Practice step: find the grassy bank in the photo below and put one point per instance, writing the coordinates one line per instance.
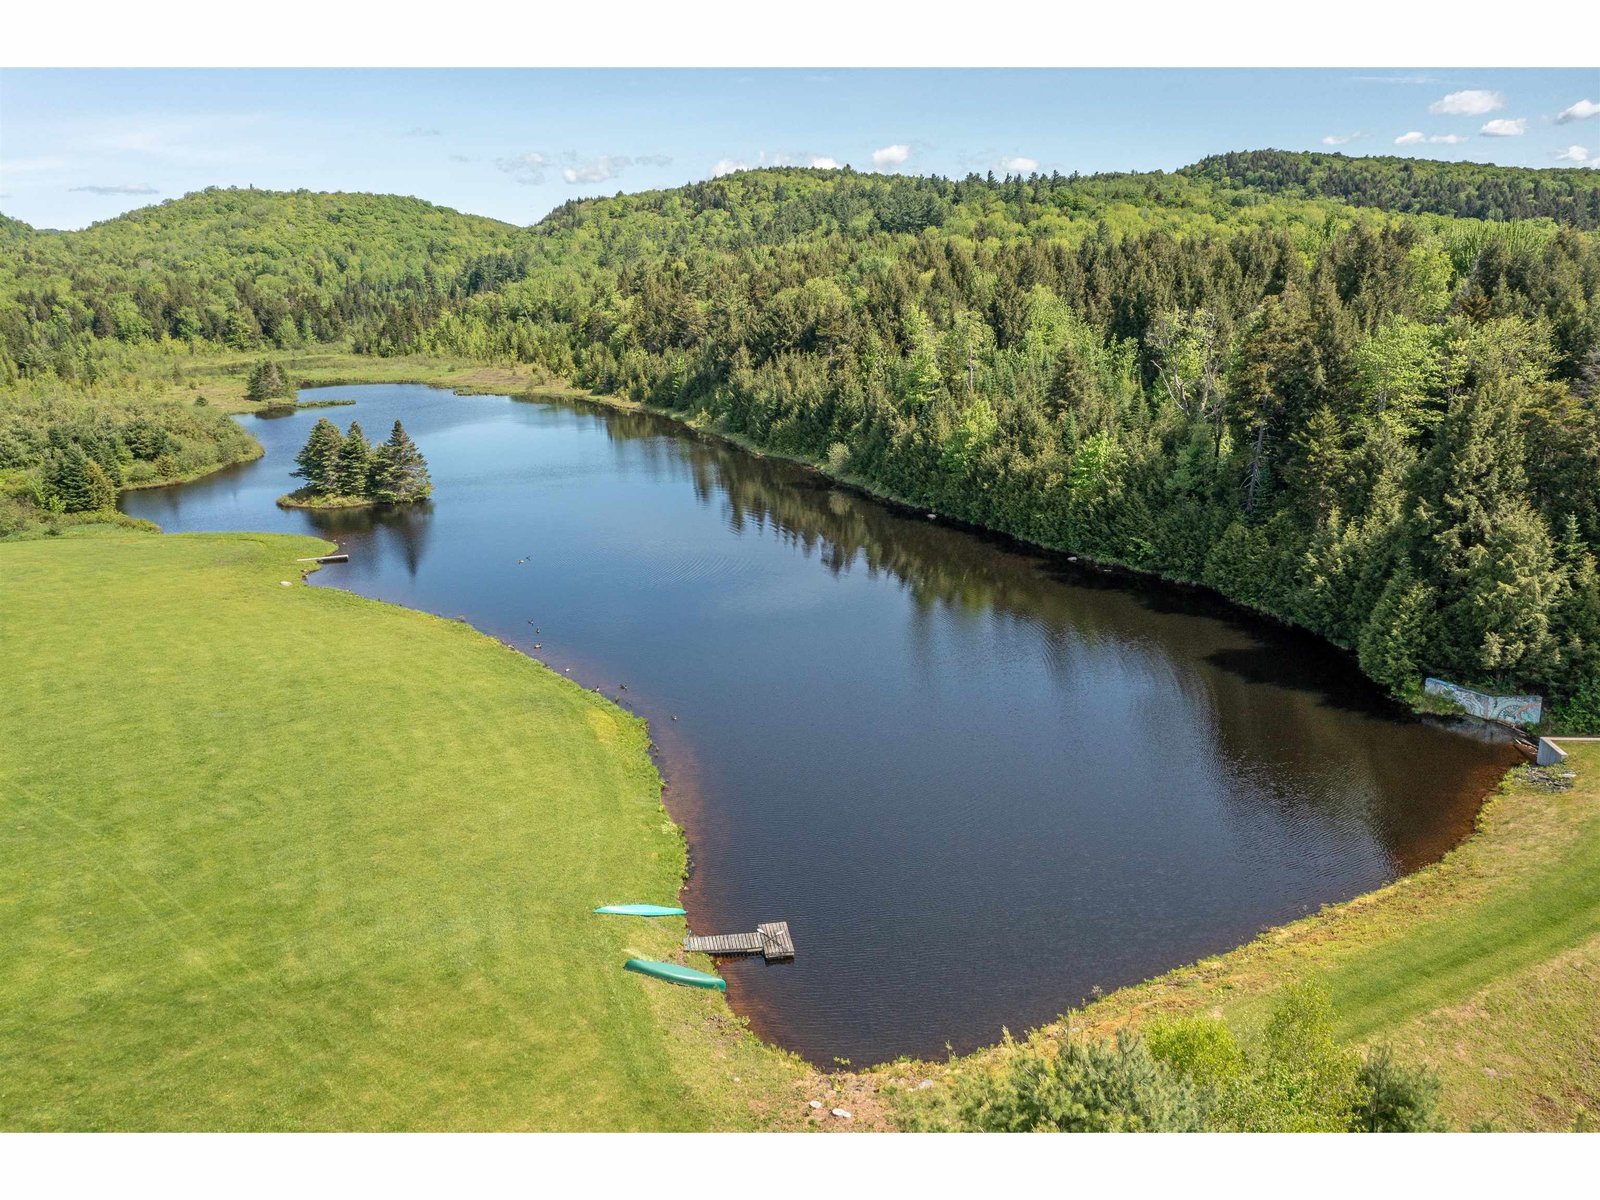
(221, 376)
(277, 857)
(1485, 966)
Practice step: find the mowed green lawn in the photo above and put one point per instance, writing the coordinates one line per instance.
(284, 858)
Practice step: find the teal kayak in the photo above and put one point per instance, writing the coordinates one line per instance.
(640, 910)
(673, 973)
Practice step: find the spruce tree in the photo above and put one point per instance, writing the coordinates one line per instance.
(266, 382)
(102, 490)
(401, 474)
(68, 481)
(318, 461)
(1394, 643)
(355, 463)
(1491, 553)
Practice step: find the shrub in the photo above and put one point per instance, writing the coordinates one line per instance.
(1201, 1048)
(1299, 1080)
(1396, 1099)
(1076, 1087)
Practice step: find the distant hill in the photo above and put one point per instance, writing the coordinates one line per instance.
(1360, 394)
(11, 229)
(235, 264)
(1413, 185)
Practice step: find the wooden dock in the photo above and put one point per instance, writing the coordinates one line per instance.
(771, 941)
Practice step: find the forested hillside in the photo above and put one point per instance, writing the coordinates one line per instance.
(1383, 426)
(1460, 189)
(232, 267)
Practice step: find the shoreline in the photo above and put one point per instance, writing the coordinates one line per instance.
(325, 503)
(1423, 707)
(858, 1084)
(145, 485)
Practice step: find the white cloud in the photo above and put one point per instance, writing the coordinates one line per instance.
(1416, 138)
(727, 166)
(596, 170)
(891, 156)
(1575, 154)
(532, 168)
(117, 189)
(1581, 111)
(1505, 127)
(1471, 103)
(1017, 164)
(783, 158)
(527, 168)
(1339, 139)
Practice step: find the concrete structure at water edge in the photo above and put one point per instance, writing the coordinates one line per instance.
(1513, 710)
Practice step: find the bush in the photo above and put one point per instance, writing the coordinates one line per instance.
(1076, 1087)
(1201, 1048)
(1299, 1080)
(1190, 1074)
(1397, 1099)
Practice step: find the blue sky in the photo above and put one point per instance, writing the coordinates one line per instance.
(81, 145)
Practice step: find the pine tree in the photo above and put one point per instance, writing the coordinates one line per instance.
(102, 491)
(68, 481)
(1395, 640)
(318, 461)
(1491, 553)
(1577, 620)
(400, 475)
(355, 463)
(266, 382)
(1320, 471)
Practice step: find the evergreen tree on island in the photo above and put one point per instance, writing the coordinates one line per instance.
(344, 468)
(400, 474)
(318, 461)
(355, 461)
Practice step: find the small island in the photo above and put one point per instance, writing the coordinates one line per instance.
(346, 471)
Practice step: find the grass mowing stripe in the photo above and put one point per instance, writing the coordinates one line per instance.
(286, 858)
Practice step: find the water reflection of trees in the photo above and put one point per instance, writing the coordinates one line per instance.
(1290, 720)
(403, 529)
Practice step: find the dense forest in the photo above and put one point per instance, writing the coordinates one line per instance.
(1322, 386)
(1462, 189)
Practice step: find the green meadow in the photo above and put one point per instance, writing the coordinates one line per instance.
(279, 857)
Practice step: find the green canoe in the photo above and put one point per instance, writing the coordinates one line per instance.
(640, 910)
(673, 973)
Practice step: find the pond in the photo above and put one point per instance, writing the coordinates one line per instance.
(978, 782)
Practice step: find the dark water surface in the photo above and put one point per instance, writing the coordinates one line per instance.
(976, 782)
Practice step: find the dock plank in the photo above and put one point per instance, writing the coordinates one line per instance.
(724, 943)
(775, 940)
(772, 941)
